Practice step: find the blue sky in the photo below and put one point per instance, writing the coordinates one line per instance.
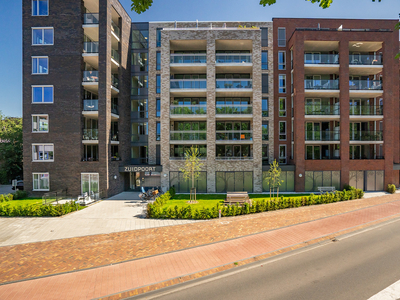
(179, 10)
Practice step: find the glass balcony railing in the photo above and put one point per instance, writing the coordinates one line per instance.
(188, 84)
(115, 29)
(233, 58)
(114, 136)
(322, 135)
(319, 84)
(244, 135)
(188, 135)
(91, 47)
(90, 76)
(325, 59)
(114, 109)
(90, 134)
(365, 156)
(226, 109)
(91, 105)
(365, 59)
(188, 59)
(234, 84)
(322, 110)
(114, 81)
(366, 135)
(365, 85)
(90, 19)
(188, 109)
(115, 55)
(366, 110)
(139, 138)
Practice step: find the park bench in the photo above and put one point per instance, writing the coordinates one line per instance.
(326, 189)
(237, 197)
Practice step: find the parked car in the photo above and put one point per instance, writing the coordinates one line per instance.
(20, 185)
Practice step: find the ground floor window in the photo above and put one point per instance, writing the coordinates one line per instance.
(316, 179)
(367, 180)
(234, 182)
(41, 182)
(90, 183)
(183, 186)
(286, 186)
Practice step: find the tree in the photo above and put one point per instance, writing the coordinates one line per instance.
(192, 167)
(10, 148)
(273, 178)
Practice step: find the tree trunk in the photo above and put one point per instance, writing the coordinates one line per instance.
(277, 193)
(269, 193)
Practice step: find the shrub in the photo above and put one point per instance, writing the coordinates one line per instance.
(347, 187)
(20, 194)
(391, 188)
(48, 210)
(172, 192)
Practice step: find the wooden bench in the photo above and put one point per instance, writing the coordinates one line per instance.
(326, 189)
(237, 197)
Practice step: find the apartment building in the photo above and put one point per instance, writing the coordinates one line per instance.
(110, 105)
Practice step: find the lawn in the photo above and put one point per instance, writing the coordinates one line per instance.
(23, 201)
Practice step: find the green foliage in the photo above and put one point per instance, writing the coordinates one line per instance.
(20, 195)
(49, 210)
(172, 192)
(348, 187)
(140, 6)
(6, 198)
(391, 188)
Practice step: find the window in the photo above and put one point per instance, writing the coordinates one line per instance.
(40, 123)
(158, 131)
(282, 154)
(140, 62)
(264, 60)
(265, 155)
(291, 58)
(159, 37)
(43, 36)
(40, 65)
(140, 38)
(282, 107)
(264, 83)
(282, 130)
(158, 60)
(264, 37)
(281, 60)
(90, 183)
(158, 105)
(158, 88)
(42, 94)
(40, 7)
(234, 182)
(265, 131)
(43, 152)
(282, 84)
(139, 85)
(281, 37)
(41, 181)
(139, 109)
(265, 107)
(181, 185)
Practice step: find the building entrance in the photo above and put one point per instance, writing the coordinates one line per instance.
(144, 179)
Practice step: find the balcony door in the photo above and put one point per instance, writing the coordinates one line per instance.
(355, 58)
(313, 58)
(313, 106)
(355, 107)
(355, 131)
(313, 132)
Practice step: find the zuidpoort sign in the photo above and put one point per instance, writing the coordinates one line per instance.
(128, 169)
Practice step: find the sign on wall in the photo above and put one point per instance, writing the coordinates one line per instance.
(138, 168)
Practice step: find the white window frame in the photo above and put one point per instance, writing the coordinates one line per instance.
(284, 113)
(37, 62)
(33, 180)
(33, 15)
(284, 61)
(283, 157)
(42, 86)
(43, 28)
(279, 45)
(279, 82)
(90, 182)
(42, 144)
(48, 123)
(282, 133)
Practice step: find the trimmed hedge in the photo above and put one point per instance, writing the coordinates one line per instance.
(156, 211)
(391, 188)
(6, 198)
(49, 210)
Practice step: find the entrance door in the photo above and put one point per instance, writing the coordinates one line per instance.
(135, 181)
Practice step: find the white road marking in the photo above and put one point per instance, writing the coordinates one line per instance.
(392, 292)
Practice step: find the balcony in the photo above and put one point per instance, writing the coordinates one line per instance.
(234, 158)
(139, 138)
(183, 137)
(90, 81)
(240, 111)
(188, 112)
(366, 156)
(322, 112)
(323, 136)
(321, 63)
(365, 88)
(367, 135)
(90, 19)
(114, 109)
(90, 136)
(245, 136)
(189, 87)
(323, 88)
(90, 105)
(91, 47)
(233, 62)
(190, 63)
(234, 88)
(365, 64)
(114, 84)
(116, 32)
(366, 112)
(114, 138)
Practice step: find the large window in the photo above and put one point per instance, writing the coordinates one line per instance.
(265, 154)
(158, 81)
(234, 182)
(282, 130)
(139, 155)
(90, 183)
(139, 85)
(178, 151)
(43, 152)
(41, 181)
(158, 60)
(140, 62)
(264, 37)
(282, 154)
(265, 83)
(40, 65)
(265, 107)
(265, 133)
(287, 184)
(43, 36)
(264, 60)
(281, 60)
(140, 38)
(158, 38)
(158, 131)
(282, 107)
(140, 132)
(91, 152)
(42, 94)
(40, 7)
(139, 109)
(40, 123)
(181, 185)
(158, 107)
(316, 179)
(282, 84)
(281, 37)
(234, 152)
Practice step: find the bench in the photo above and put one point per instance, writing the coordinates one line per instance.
(237, 197)
(326, 189)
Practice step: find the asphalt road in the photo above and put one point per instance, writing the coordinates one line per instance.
(354, 267)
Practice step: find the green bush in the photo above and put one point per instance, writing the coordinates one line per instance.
(20, 195)
(391, 188)
(348, 187)
(49, 210)
(172, 192)
(6, 198)
(156, 211)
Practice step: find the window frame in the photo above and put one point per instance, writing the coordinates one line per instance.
(42, 144)
(38, 15)
(282, 133)
(158, 61)
(37, 62)
(284, 61)
(264, 41)
(42, 28)
(283, 157)
(33, 180)
(43, 86)
(282, 113)
(90, 181)
(281, 89)
(280, 40)
(264, 65)
(158, 87)
(265, 75)
(158, 107)
(158, 133)
(263, 100)
(48, 123)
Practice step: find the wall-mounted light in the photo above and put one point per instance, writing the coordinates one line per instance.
(115, 177)
(165, 175)
(300, 175)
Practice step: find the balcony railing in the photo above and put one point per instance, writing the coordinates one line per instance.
(91, 47)
(91, 105)
(265, 136)
(90, 76)
(90, 158)
(319, 84)
(188, 84)
(326, 59)
(188, 109)
(366, 110)
(365, 85)
(244, 135)
(188, 135)
(233, 58)
(114, 109)
(90, 19)
(233, 84)
(90, 134)
(188, 58)
(115, 55)
(366, 135)
(370, 156)
(114, 81)
(139, 138)
(234, 157)
(114, 136)
(227, 109)
(115, 29)
(322, 135)
(322, 110)
(365, 59)
(324, 157)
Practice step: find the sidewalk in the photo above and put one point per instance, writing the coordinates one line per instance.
(213, 246)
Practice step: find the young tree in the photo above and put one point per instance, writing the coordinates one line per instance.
(274, 178)
(192, 167)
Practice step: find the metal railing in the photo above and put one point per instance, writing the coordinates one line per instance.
(90, 76)
(366, 110)
(235, 109)
(114, 136)
(115, 55)
(324, 157)
(188, 135)
(114, 109)
(234, 157)
(188, 58)
(90, 158)
(322, 135)
(365, 85)
(365, 59)
(322, 59)
(115, 29)
(55, 196)
(243, 135)
(90, 134)
(114, 81)
(188, 109)
(188, 84)
(91, 47)
(371, 156)
(319, 84)
(230, 58)
(90, 19)
(139, 138)
(234, 84)
(91, 105)
(322, 109)
(366, 135)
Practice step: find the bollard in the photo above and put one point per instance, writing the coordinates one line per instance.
(219, 214)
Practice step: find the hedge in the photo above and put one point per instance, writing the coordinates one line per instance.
(156, 211)
(49, 210)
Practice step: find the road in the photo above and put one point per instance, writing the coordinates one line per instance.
(357, 266)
